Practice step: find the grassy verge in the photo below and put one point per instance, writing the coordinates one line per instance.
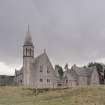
(73, 96)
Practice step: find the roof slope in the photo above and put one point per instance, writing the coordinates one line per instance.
(83, 71)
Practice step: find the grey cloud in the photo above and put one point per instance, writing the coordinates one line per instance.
(71, 30)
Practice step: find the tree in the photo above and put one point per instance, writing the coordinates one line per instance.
(60, 70)
(100, 71)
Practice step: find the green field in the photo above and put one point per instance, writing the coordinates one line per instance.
(71, 96)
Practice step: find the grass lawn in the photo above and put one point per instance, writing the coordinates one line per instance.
(72, 96)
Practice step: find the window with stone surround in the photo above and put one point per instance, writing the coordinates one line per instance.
(41, 80)
(30, 52)
(48, 71)
(26, 51)
(66, 81)
(41, 68)
(48, 80)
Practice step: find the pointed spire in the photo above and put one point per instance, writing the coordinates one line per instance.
(28, 28)
(28, 38)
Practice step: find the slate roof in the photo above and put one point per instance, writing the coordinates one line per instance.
(36, 59)
(75, 72)
(40, 57)
(83, 71)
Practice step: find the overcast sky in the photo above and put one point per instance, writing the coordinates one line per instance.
(72, 31)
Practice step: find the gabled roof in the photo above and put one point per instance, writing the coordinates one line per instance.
(83, 71)
(45, 57)
(40, 57)
(71, 74)
(36, 59)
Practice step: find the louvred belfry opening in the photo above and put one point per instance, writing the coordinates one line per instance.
(28, 47)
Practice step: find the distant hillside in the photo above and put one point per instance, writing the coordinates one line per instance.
(72, 96)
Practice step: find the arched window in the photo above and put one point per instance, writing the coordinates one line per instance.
(48, 71)
(26, 51)
(41, 68)
(48, 81)
(66, 81)
(30, 51)
(41, 80)
(21, 81)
